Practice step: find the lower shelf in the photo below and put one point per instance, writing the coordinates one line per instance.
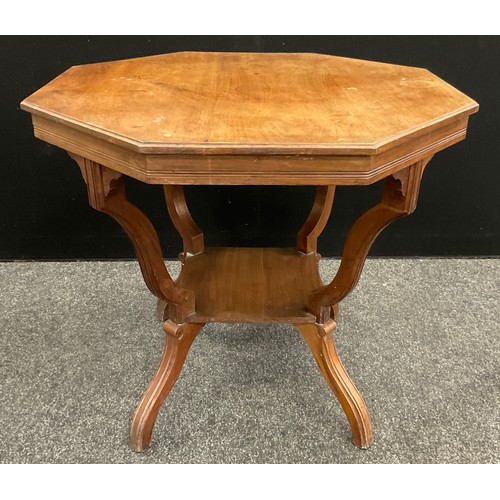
(257, 285)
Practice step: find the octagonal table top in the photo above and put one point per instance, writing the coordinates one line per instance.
(204, 103)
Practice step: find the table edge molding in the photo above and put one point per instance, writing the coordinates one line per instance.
(145, 147)
(190, 169)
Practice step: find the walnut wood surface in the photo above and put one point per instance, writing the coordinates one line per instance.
(250, 118)
(321, 342)
(106, 191)
(219, 102)
(398, 200)
(261, 285)
(307, 237)
(192, 237)
(178, 341)
(257, 119)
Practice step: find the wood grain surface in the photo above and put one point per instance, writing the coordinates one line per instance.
(236, 102)
(320, 340)
(399, 199)
(250, 118)
(258, 285)
(247, 118)
(177, 343)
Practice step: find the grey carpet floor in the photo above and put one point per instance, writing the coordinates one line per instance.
(420, 338)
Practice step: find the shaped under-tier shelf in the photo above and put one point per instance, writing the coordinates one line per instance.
(238, 285)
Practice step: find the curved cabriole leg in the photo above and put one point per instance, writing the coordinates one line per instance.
(192, 237)
(320, 341)
(178, 341)
(106, 191)
(398, 200)
(307, 237)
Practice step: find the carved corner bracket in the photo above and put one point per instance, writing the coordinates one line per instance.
(106, 192)
(399, 199)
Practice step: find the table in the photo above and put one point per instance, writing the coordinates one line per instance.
(250, 119)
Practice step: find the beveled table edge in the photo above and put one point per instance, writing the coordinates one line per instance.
(367, 149)
(233, 169)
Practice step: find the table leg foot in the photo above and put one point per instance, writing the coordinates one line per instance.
(178, 341)
(319, 337)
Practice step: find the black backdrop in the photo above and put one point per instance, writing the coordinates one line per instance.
(43, 207)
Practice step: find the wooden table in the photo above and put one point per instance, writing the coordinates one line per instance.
(256, 119)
